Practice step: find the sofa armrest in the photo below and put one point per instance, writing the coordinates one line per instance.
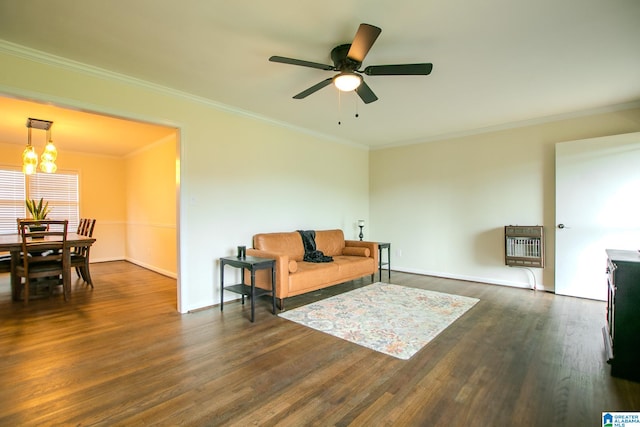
(263, 278)
(372, 246)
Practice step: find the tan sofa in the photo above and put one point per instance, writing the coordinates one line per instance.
(352, 259)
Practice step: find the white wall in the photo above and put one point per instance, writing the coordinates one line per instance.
(238, 175)
(444, 204)
(250, 177)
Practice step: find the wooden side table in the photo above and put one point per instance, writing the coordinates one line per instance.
(252, 264)
(381, 246)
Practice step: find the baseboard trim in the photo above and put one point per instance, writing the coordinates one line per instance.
(158, 270)
(164, 272)
(539, 287)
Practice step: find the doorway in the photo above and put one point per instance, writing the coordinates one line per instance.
(597, 208)
(118, 160)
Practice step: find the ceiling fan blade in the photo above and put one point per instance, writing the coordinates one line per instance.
(300, 62)
(365, 93)
(314, 88)
(399, 70)
(362, 42)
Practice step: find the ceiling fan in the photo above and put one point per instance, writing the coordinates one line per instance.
(347, 59)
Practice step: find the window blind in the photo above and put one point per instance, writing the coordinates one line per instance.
(61, 191)
(12, 196)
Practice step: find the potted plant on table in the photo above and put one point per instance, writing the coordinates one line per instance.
(39, 211)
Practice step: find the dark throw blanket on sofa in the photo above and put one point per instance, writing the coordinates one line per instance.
(310, 252)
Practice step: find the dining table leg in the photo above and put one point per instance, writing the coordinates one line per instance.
(66, 273)
(15, 279)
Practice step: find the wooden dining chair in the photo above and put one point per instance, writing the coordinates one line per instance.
(89, 225)
(5, 257)
(5, 263)
(80, 255)
(82, 224)
(42, 258)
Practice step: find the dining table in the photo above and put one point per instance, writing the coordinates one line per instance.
(12, 243)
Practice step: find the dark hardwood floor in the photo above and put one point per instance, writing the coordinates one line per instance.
(120, 354)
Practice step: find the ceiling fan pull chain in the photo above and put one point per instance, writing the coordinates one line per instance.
(339, 107)
(356, 101)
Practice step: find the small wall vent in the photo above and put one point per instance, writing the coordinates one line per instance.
(524, 246)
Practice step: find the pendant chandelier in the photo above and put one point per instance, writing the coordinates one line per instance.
(49, 155)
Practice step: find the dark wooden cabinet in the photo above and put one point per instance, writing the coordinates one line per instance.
(622, 330)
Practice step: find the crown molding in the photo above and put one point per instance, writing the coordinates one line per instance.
(30, 54)
(517, 124)
(38, 56)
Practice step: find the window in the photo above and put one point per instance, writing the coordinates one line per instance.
(12, 195)
(59, 189)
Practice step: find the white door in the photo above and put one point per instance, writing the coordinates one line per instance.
(597, 208)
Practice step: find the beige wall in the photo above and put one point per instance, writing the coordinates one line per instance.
(151, 207)
(444, 204)
(237, 175)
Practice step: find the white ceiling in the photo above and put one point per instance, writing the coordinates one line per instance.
(496, 62)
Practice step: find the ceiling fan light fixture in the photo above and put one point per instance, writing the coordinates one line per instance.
(346, 81)
(347, 59)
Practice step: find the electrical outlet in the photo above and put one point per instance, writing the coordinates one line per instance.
(399, 252)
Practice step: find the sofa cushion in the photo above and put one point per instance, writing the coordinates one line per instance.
(284, 243)
(351, 266)
(330, 242)
(310, 275)
(313, 276)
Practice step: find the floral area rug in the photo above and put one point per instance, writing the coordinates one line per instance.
(392, 319)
